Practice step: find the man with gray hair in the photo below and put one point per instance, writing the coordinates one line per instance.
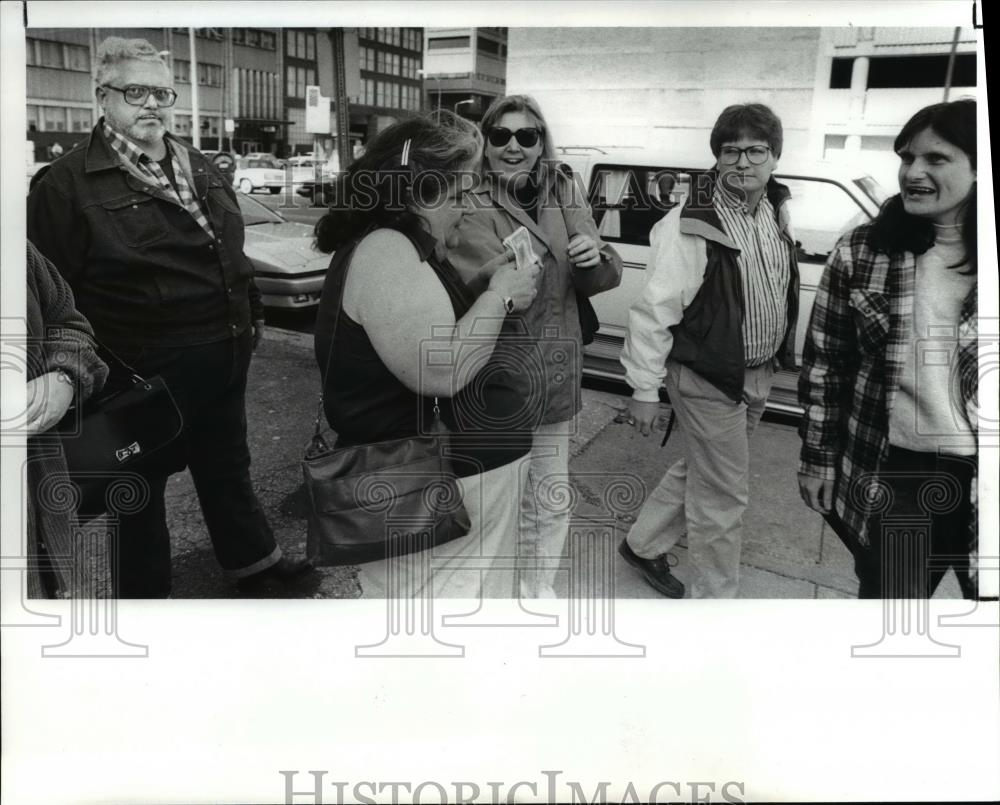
(150, 238)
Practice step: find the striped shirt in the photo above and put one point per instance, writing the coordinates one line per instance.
(150, 172)
(764, 272)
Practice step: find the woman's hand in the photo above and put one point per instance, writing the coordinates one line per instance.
(642, 415)
(817, 493)
(583, 251)
(521, 285)
(49, 397)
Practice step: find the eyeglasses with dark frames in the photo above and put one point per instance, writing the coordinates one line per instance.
(136, 94)
(498, 136)
(756, 154)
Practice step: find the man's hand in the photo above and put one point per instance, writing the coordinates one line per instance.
(642, 415)
(258, 332)
(49, 397)
(816, 492)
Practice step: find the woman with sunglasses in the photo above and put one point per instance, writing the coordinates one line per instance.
(523, 185)
(400, 338)
(890, 371)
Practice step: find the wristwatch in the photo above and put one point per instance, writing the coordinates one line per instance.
(508, 302)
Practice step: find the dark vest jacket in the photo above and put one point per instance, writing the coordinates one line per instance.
(709, 339)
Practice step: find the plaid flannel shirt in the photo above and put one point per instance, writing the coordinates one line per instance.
(853, 357)
(150, 172)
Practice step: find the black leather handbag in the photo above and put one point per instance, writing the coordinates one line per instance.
(121, 429)
(374, 501)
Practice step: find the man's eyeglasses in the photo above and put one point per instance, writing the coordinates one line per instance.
(756, 154)
(498, 137)
(136, 94)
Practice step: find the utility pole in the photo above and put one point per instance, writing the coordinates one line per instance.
(343, 116)
(951, 64)
(195, 117)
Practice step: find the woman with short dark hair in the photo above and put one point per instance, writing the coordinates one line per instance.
(890, 371)
(413, 339)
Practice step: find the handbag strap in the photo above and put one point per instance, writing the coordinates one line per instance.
(318, 439)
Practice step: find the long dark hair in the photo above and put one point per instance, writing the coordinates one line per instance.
(405, 165)
(895, 230)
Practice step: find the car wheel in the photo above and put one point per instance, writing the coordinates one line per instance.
(274, 190)
(246, 186)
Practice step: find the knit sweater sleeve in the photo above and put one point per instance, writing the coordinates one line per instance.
(67, 342)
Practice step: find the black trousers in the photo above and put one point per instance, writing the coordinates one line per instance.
(208, 382)
(922, 529)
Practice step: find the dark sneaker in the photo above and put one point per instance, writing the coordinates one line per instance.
(655, 571)
(283, 572)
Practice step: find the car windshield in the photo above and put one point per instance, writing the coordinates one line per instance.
(256, 213)
(872, 189)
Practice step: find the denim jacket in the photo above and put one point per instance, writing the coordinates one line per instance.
(141, 268)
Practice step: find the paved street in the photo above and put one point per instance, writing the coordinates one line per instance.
(788, 553)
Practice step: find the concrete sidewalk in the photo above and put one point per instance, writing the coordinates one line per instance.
(788, 551)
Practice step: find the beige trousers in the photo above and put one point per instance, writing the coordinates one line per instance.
(705, 493)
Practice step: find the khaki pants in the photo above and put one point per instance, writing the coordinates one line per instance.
(705, 493)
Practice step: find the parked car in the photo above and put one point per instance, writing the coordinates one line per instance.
(259, 173)
(827, 200)
(288, 271)
(305, 169)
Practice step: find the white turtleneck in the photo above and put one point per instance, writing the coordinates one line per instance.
(927, 413)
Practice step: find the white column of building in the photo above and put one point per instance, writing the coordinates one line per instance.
(195, 118)
(856, 113)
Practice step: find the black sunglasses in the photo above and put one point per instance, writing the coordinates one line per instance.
(498, 137)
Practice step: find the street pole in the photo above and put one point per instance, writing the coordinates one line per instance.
(343, 116)
(195, 118)
(951, 64)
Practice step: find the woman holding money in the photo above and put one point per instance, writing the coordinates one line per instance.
(530, 205)
(401, 339)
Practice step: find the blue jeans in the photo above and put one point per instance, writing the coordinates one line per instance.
(208, 383)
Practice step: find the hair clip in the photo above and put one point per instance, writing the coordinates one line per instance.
(406, 154)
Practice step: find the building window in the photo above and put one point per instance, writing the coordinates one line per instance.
(442, 42)
(268, 41)
(367, 56)
(182, 124)
(488, 46)
(311, 47)
(53, 118)
(209, 75)
(896, 72)
(290, 81)
(80, 119)
(182, 71)
(394, 64)
(48, 54)
(239, 36)
(77, 58)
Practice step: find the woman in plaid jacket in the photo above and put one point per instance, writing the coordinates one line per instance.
(889, 379)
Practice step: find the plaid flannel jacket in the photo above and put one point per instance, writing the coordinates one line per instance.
(853, 357)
